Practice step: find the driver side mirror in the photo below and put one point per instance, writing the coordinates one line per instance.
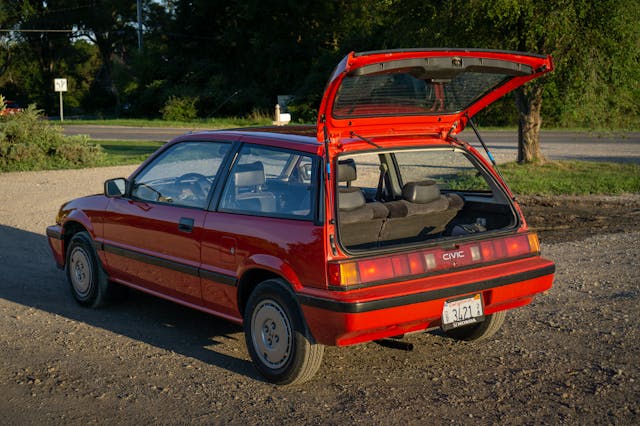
(115, 187)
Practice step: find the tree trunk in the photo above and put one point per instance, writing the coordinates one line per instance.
(529, 104)
(105, 46)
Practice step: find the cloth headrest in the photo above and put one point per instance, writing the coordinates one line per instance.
(421, 192)
(250, 174)
(350, 199)
(347, 170)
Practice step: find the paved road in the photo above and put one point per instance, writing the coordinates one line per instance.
(125, 133)
(556, 145)
(559, 145)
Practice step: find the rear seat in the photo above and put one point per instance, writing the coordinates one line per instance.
(248, 180)
(422, 211)
(360, 222)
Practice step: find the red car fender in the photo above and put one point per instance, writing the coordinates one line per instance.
(86, 213)
(81, 218)
(272, 264)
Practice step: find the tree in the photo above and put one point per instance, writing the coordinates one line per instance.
(33, 56)
(527, 26)
(109, 25)
(594, 46)
(237, 56)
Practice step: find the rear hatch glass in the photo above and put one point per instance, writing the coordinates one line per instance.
(407, 94)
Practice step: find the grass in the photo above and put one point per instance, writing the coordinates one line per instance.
(127, 152)
(204, 123)
(572, 178)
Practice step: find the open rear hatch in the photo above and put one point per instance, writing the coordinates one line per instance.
(419, 91)
(419, 185)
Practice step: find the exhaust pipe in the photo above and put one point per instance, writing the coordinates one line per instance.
(395, 344)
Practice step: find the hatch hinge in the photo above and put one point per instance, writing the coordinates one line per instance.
(452, 129)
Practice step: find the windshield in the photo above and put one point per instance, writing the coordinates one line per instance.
(406, 94)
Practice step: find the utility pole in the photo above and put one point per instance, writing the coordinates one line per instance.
(140, 26)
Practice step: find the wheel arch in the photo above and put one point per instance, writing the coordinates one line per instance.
(250, 280)
(69, 229)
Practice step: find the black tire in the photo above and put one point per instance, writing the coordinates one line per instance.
(89, 283)
(480, 331)
(276, 337)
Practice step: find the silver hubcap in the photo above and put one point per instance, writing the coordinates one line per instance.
(271, 333)
(80, 271)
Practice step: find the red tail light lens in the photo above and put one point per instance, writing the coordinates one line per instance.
(386, 268)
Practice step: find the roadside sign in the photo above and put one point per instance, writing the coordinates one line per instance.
(60, 84)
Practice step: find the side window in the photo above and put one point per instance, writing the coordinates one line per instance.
(367, 171)
(182, 175)
(270, 182)
(449, 168)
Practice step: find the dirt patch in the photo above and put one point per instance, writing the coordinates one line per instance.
(571, 357)
(570, 218)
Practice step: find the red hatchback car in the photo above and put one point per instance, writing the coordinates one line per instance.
(375, 223)
(10, 108)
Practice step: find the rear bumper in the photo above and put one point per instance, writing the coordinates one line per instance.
(346, 318)
(56, 242)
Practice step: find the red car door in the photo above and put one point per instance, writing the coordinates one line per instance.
(155, 246)
(264, 220)
(152, 235)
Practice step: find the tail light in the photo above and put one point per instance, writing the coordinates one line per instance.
(385, 268)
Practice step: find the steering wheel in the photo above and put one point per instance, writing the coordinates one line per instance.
(192, 179)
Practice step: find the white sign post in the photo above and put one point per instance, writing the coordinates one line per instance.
(60, 85)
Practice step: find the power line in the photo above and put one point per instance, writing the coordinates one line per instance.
(35, 31)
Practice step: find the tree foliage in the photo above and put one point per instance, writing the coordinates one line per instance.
(594, 46)
(236, 57)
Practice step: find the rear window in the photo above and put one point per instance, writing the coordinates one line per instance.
(414, 196)
(406, 94)
(271, 182)
(451, 169)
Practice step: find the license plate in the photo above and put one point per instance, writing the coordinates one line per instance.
(460, 312)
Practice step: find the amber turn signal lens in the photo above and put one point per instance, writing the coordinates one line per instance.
(534, 244)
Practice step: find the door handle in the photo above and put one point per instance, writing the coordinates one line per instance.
(185, 224)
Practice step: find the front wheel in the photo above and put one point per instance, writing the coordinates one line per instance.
(276, 338)
(89, 283)
(480, 331)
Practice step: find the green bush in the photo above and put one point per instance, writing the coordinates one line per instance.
(29, 142)
(304, 110)
(179, 109)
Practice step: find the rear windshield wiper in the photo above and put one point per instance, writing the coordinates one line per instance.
(365, 139)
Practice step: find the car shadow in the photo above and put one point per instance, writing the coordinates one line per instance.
(30, 278)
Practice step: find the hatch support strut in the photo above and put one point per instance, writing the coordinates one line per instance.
(327, 177)
(493, 160)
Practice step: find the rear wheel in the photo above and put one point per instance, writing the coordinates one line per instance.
(276, 338)
(89, 283)
(480, 331)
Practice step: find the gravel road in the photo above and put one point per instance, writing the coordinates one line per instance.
(570, 357)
